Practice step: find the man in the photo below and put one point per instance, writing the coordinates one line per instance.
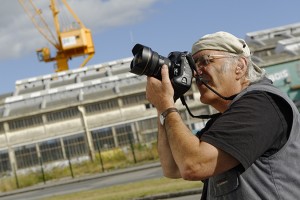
(252, 149)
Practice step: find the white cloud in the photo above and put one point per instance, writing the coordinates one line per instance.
(18, 36)
(104, 14)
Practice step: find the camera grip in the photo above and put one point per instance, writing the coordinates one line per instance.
(182, 80)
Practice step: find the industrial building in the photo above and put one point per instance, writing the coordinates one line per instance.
(77, 112)
(277, 50)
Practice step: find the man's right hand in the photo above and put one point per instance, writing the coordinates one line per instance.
(160, 93)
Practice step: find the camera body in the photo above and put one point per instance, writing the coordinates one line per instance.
(149, 63)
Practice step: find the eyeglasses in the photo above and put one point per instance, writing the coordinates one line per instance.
(205, 60)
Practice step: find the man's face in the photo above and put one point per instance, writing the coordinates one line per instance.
(218, 71)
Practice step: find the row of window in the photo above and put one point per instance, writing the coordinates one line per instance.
(134, 99)
(74, 146)
(102, 106)
(73, 112)
(62, 114)
(25, 122)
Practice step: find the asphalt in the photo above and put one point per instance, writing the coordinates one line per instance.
(176, 195)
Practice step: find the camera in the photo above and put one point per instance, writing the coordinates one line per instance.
(149, 63)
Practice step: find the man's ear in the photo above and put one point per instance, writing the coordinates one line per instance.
(241, 68)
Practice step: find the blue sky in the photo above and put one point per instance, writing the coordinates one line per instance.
(116, 25)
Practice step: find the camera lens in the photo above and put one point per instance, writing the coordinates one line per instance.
(141, 59)
(147, 62)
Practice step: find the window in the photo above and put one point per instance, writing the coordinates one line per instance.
(148, 124)
(134, 99)
(51, 150)
(4, 162)
(149, 106)
(102, 106)
(150, 136)
(103, 138)
(25, 122)
(63, 114)
(124, 134)
(149, 129)
(75, 145)
(26, 156)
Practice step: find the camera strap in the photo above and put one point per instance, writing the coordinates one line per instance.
(199, 79)
(196, 116)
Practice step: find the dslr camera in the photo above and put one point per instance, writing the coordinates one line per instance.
(149, 63)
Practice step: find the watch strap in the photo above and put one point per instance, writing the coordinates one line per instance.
(166, 113)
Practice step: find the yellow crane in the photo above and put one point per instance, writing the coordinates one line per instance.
(75, 40)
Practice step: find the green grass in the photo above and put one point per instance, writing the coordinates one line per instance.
(132, 190)
(112, 159)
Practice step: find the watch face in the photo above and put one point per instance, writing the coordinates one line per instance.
(161, 119)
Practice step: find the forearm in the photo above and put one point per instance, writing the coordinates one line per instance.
(169, 166)
(184, 146)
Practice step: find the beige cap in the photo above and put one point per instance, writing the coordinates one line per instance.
(223, 41)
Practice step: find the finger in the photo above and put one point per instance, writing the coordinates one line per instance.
(165, 73)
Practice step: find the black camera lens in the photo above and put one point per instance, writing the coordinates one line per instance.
(147, 62)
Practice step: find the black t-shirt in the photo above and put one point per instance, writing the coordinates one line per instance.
(258, 124)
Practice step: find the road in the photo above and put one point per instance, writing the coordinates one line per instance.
(76, 185)
(89, 183)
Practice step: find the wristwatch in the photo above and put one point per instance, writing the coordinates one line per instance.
(164, 114)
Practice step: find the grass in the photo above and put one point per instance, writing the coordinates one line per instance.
(112, 159)
(132, 190)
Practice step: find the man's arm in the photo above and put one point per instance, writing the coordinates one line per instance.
(196, 160)
(170, 168)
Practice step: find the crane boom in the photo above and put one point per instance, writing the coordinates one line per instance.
(68, 43)
(38, 20)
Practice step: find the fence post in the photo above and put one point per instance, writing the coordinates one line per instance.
(70, 164)
(100, 156)
(42, 170)
(16, 176)
(132, 147)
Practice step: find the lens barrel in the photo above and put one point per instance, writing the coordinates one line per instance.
(147, 62)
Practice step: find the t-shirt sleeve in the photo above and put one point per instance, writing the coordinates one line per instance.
(247, 129)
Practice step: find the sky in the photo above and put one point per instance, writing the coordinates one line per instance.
(117, 25)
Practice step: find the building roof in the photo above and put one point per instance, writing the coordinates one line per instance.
(275, 45)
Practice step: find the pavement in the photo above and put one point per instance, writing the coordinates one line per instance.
(184, 195)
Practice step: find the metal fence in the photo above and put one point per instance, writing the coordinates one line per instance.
(65, 152)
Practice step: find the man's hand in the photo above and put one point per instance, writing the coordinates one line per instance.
(160, 93)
